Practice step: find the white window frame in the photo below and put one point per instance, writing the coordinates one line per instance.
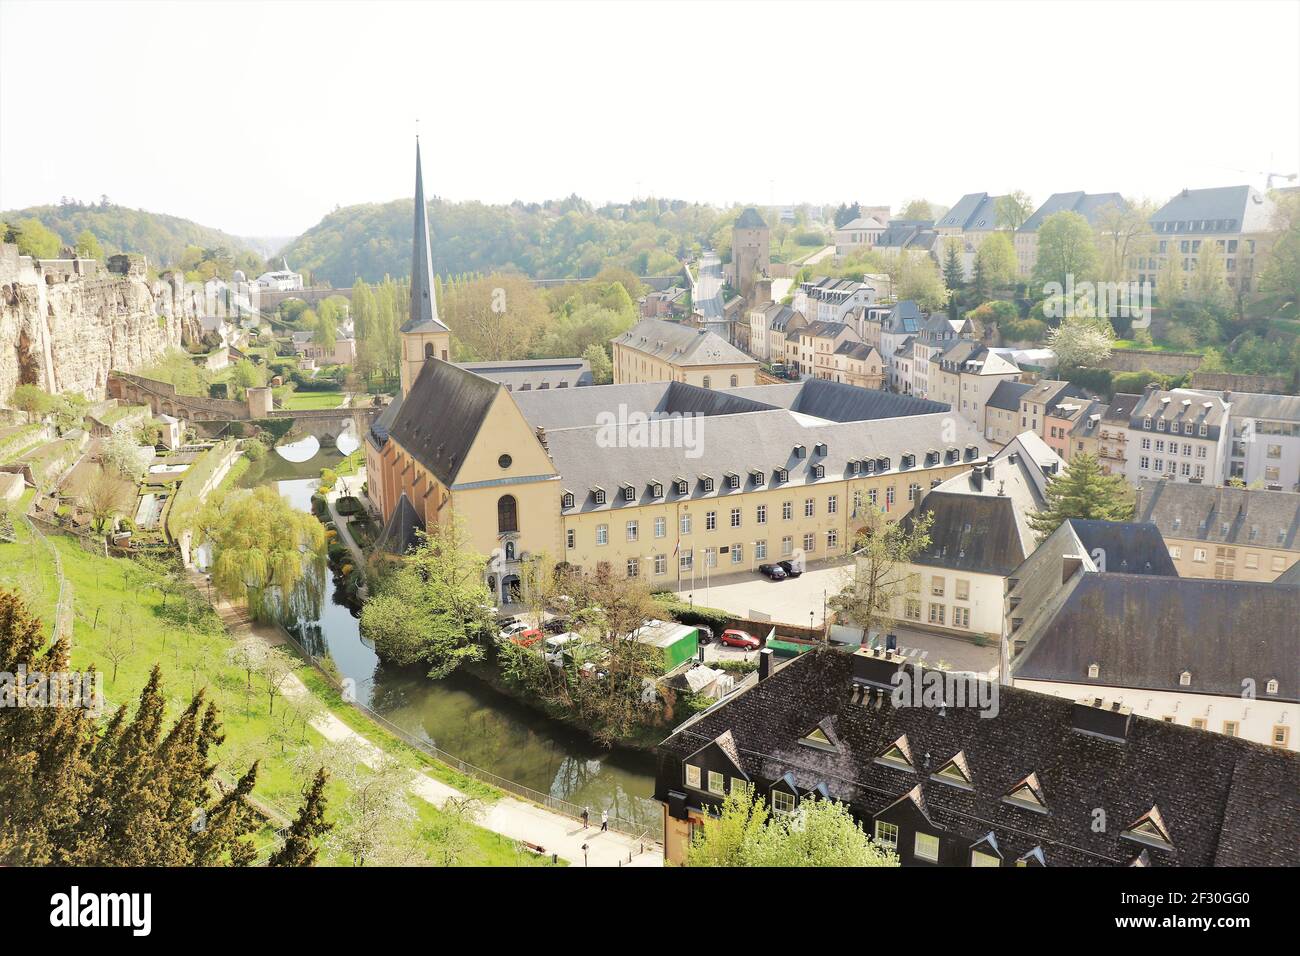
(930, 843)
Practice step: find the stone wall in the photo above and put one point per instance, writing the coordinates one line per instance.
(65, 324)
(1163, 363)
(1231, 382)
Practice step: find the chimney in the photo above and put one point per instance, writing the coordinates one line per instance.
(541, 439)
(977, 479)
(876, 667)
(1070, 563)
(1100, 718)
(765, 663)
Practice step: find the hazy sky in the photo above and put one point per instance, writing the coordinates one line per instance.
(259, 118)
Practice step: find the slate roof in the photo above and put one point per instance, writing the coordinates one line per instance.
(441, 415)
(1007, 395)
(858, 351)
(974, 358)
(825, 329)
(1144, 632)
(1225, 801)
(981, 517)
(1181, 406)
(907, 234)
(1224, 209)
(682, 344)
(528, 374)
(400, 532)
(904, 318)
(1121, 407)
(838, 401)
(1087, 205)
(1254, 516)
(424, 307)
(782, 319)
(1277, 408)
(974, 212)
(750, 219)
(382, 426)
(862, 222)
(1134, 547)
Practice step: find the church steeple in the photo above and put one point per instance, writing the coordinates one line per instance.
(424, 307)
(423, 335)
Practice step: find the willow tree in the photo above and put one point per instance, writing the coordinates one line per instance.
(264, 552)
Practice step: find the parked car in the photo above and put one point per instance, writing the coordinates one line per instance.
(791, 569)
(511, 627)
(733, 637)
(521, 633)
(557, 646)
(774, 571)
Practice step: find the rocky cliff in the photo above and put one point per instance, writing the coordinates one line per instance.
(66, 323)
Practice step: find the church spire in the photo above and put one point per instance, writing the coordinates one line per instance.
(424, 307)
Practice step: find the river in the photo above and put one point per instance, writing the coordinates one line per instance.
(460, 714)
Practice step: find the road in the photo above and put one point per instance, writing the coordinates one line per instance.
(707, 294)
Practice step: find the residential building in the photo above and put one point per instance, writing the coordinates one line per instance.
(913, 237)
(868, 321)
(831, 300)
(761, 320)
(900, 366)
(1238, 220)
(973, 219)
(783, 337)
(1112, 444)
(857, 363)
(343, 352)
(1265, 447)
(1002, 411)
(1179, 434)
(1085, 434)
(858, 235)
(657, 351)
(751, 252)
(1061, 420)
(283, 279)
(1205, 654)
(965, 375)
(1234, 534)
(937, 332)
(670, 303)
(818, 342)
(1092, 206)
(902, 323)
(980, 534)
(1045, 395)
(965, 785)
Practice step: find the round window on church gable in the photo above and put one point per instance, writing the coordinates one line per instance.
(505, 461)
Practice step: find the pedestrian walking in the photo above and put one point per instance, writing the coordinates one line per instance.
(586, 816)
(604, 820)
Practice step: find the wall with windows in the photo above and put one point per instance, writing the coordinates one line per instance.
(957, 602)
(1234, 562)
(1264, 721)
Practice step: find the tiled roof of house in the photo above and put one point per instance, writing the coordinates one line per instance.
(1225, 209)
(1221, 800)
(680, 344)
(441, 416)
(1221, 515)
(1007, 395)
(1087, 205)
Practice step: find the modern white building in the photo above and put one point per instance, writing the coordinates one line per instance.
(281, 280)
(1265, 447)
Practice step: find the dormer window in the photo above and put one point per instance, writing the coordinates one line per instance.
(733, 482)
(1271, 686)
(817, 739)
(1185, 679)
(759, 478)
(679, 485)
(897, 755)
(1094, 671)
(972, 451)
(599, 495)
(566, 500)
(882, 464)
(782, 475)
(869, 464)
(1160, 424)
(706, 484)
(1149, 829)
(819, 471)
(855, 467)
(629, 493)
(1146, 423)
(955, 772)
(800, 451)
(1204, 430)
(1027, 794)
(656, 489)
(907, 461)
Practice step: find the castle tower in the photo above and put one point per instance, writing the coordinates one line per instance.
(751, 255)
(423, 336)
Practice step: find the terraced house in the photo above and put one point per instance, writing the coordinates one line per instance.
(657, 351)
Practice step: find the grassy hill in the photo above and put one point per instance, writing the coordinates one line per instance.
(162, 238)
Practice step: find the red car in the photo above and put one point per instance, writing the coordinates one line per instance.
(735, 638)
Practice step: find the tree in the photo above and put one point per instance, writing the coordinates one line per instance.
(1013, 209)
(33, 239)
(275, 668)
(433, 606)
(1123, 231)
(819, 833)
(1170, 279)
(300, 843)
(496, 317)
(918, 209)
(917, 278)
(452, 830)
(376, 823)
(995, 260)
(1279, 273)
(123, 454)
(32, 399)
(1067, 247)
(87, 246)
(1209, 285)
(105, 496)
(602, 369)
(1082, 341)
(265, 553)
(878, 577)
(1083, 490)
(954, 273)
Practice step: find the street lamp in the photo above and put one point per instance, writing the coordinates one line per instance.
(209, 579)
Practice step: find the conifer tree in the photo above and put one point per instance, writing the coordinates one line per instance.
(1083, 490)
(300, 845)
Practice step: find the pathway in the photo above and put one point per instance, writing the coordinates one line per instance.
(508, 816)
(63, 605)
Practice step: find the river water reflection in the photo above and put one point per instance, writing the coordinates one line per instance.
(464, 716)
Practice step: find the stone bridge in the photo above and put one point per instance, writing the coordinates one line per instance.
(162, 398)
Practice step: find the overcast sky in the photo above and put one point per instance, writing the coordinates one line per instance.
(260, 118)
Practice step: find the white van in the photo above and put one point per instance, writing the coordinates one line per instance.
(555, 647)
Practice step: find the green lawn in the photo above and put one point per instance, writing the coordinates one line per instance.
(790, 251)
(303, 401)
(110, 601)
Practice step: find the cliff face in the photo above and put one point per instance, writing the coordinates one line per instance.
(65, 324)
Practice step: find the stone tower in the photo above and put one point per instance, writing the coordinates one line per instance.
(423, 336)
(751, 251)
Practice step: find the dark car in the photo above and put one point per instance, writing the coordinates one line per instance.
(791, 569)
(705, 634)
(774, 571)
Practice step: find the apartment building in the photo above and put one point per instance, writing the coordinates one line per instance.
(898, 327)
(1039, 400)
(826, 299)
(1232, 534)
(937, 332)
(762, 320)
(657, 351)
(858, 235)
(1180, 434)
(965, 375)
(973, 219)
(1237, 220)
(1265, 448)
(857, 363)
(818, 343)
(1112, 442)
(912, 237)
(1085, 433)
(1002, 411)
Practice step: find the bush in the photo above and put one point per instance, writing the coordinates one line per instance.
(255, 450)
(694, 616)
